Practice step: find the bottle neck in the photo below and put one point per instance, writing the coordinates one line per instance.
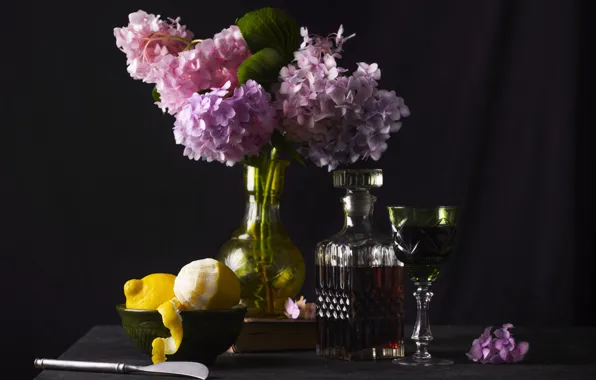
(358, 209)
(258, 210)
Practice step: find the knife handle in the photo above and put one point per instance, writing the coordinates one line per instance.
(72, 365)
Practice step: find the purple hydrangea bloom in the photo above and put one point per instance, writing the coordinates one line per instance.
(224, 127)
(501, 348)
(335, 118)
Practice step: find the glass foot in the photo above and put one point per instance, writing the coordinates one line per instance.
(430, 362)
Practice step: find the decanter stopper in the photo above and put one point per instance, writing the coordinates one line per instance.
(357, 182)
(358, 179)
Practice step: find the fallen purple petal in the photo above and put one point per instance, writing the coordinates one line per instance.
(520, 351)
(504, 353)
(485, 352)
(502, 333)
(498, 348)
(476, 352)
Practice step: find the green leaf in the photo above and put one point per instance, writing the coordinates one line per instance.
(262, 67)
(270, 27)
(279, 142)
(155, 94)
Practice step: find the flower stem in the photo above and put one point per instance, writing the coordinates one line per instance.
(191, 44)
(159, 36)
(266, 229)
(422, 334)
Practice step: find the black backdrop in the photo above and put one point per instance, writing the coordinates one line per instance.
(501, 94)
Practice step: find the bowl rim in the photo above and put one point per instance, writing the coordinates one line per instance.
(234, 309)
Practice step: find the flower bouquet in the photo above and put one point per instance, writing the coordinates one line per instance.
(251, 94)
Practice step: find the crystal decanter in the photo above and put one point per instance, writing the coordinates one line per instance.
(359, 281)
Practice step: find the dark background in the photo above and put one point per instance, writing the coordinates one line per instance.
(501, 94)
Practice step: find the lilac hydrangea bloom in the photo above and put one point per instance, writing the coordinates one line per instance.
(501, 348)
(218, 127)
(336, 119)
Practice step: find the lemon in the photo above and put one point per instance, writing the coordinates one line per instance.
(149, 292)
(170, 316)
(207, 284)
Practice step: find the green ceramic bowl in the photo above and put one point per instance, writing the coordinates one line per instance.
(207, 333)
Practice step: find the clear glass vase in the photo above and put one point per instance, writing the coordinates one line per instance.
(359, 281)
(269, 265)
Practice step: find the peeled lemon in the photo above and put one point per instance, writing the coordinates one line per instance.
(207, 284)
(150, 291)
(201, 285)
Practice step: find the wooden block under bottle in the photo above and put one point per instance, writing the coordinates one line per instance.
(270, 335)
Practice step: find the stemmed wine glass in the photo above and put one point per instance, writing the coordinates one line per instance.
(423, 238)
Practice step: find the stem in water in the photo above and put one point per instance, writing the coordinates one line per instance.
(266, 230)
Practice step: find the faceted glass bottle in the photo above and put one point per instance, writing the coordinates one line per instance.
(359, 281)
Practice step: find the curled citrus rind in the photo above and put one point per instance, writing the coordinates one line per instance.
(172, 320)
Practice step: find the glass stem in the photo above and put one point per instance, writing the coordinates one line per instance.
(422, 334)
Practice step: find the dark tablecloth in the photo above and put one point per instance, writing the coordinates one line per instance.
(565, 354)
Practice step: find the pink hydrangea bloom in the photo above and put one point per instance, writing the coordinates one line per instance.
(296, 309)
(501, 348)
(300, 309)
(218, 127)
(337, 119)
(292, 310)
(232, 50)
(148, 39)
(210, 64)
